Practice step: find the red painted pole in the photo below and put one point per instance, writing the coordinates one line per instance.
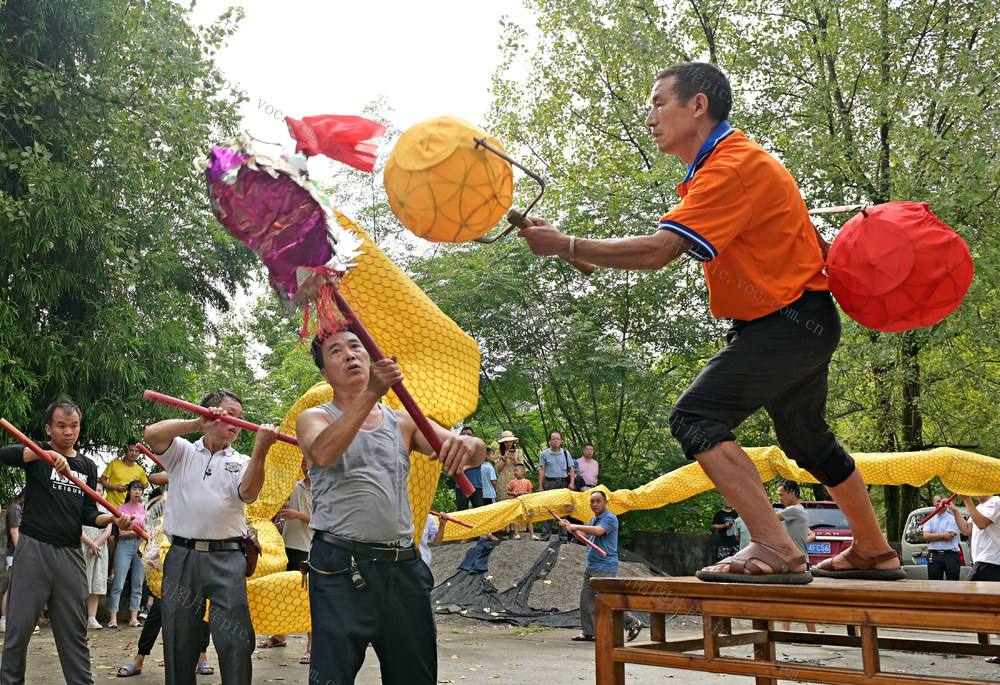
(203, 411)
(145, 450)
(578, 535)
(445, 517)
(402, 393)
(30, 444)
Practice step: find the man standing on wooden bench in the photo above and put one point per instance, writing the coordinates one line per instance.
(741, 214)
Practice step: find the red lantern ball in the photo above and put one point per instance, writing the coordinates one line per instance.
(897, 267)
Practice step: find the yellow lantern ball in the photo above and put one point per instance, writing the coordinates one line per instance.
(442, 187)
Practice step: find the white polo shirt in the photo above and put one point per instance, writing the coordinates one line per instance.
(204, 499)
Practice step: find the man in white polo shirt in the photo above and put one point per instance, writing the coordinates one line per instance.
(210, 484)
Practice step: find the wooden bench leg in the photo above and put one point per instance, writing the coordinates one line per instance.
(658, 627)
(764, 651)
(869, 650)
(610, 634)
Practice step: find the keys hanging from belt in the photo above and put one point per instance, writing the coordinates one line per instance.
(359, 580)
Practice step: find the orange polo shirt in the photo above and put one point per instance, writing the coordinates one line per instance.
(750, 228)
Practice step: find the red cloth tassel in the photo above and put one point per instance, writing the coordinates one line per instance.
(339, 137)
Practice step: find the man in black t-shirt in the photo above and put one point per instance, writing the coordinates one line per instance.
(50, 567)
(723, 522)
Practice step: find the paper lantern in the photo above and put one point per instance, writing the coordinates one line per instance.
(897, 267)
(442, 187)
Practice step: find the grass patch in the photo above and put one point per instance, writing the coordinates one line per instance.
(530, 628)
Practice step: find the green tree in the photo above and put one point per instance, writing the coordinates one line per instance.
(111, 256)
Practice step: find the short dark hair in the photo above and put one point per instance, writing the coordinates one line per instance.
(588, 444)
(131, 441)
(691, 78)
(134, 483)
(217, 397)
(468, 428)
(554, 433)
(598, 492)
(317, 349)
(790, 487)
(66, 405)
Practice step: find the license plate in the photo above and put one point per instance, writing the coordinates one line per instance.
(921, 561)
(818, 547)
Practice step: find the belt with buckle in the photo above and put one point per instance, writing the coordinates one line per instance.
(376, 553)
(227, 545)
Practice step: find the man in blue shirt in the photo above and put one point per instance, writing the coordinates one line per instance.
(555, 470)
(943, 535)
(603, 532)
(473, 473)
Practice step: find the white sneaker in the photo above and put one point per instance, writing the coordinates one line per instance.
(535, 537)
(36, 631)
(517, 537)
(93, 624)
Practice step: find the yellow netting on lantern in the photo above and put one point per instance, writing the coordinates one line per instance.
(441, 186)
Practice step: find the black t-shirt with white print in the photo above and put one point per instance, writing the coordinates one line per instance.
(55, 508)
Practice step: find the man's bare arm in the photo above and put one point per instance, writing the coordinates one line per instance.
(645, 252)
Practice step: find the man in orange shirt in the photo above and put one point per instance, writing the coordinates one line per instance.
(741, 214)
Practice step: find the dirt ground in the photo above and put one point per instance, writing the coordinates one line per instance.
(472, 652)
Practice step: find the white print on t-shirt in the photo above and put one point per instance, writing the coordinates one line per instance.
(233, 466)
(64, 484)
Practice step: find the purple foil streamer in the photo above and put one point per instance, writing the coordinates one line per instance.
(276, 218)
(221, 160)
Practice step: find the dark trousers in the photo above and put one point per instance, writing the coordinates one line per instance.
(554, 484)
(189, 578)
(983, 570)
(462, 502)
(393, 612)
(43, 574)
(942, 564)
(780, 362)
(151, 629)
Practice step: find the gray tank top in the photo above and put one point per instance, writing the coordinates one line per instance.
(363, 497)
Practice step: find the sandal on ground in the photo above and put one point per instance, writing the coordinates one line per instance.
(305, 658)
(270, 643)
(113, 625)
(205, 668)
(135, 623)
(743, 569)
(634, 631)
(128, 670)
(582, 638)
(862, 568)
(993, 660)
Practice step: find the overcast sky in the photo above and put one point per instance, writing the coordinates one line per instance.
(308, 57)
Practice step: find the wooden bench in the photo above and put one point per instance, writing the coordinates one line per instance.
(862, 606)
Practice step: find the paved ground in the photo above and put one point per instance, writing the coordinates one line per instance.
(475, 652)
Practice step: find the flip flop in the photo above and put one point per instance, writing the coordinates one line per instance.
(271, 643)
(993, 660)
(582, 638)
(305, 658)
(205, 668)
(861, 567)
(634, 631)
(130, 670)
(744, 570)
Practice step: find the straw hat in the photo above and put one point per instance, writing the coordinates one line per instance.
(507, 436)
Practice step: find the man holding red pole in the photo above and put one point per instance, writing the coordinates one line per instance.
(50, 568)
(602, 531)
(205, 518)
(366, 577)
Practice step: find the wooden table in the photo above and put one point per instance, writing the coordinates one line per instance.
(862, 606)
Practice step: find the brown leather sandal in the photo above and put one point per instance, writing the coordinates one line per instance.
(743, 569)
(862, 568)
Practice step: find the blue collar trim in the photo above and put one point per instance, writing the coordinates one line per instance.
(720, 132)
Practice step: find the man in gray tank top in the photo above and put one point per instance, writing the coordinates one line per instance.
(367, 582)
